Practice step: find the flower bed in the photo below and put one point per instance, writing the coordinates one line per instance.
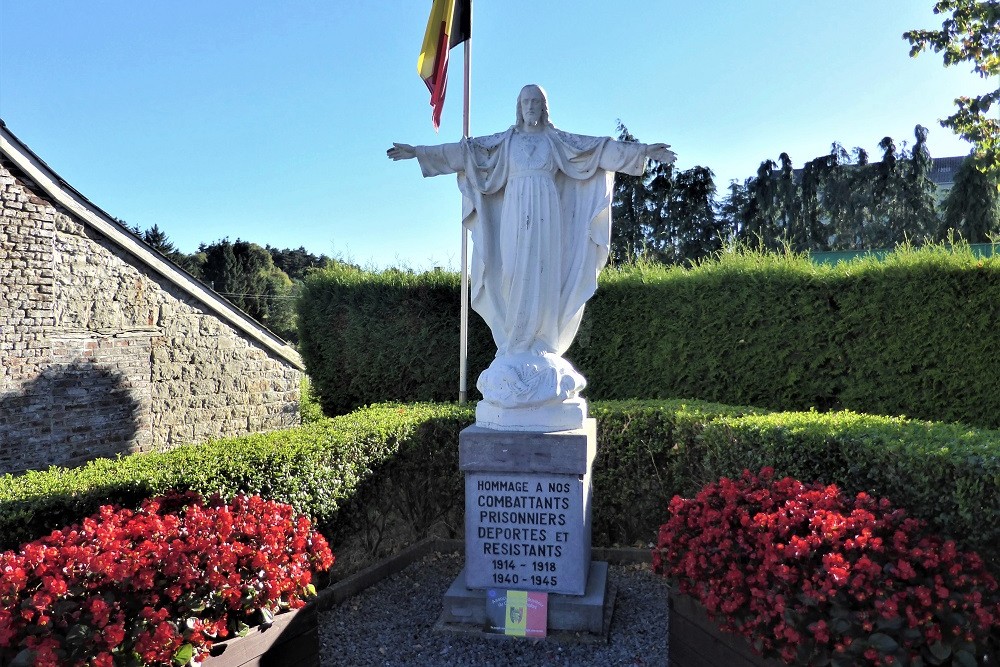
(815, 577)
(159, 585)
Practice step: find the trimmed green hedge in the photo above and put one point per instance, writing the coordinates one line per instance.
(748, 329)
(297, 472)
(647, 452)
(392, 461)
(389, 336)
(916, 333)
(316, 468)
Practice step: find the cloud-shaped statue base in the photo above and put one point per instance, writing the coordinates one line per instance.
(529, 392)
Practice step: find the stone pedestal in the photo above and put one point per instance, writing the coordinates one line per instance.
(527, 523)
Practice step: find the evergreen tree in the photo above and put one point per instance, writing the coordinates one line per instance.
(664, 215)
(972, 209)
(731, 211)
(813, 178)
(631, 211)
(881, 233)
(762, 226)
(902, 195)
(660, 230)
(296, 262)
(157, 238)
(245, 274)
(254, 264)
(842, 222)
(132, 228)
(919, 218)
(851, 234)
(789, 207)
(221, 270)
(840, 201)
(696, 228)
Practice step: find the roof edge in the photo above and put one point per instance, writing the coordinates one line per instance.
(74, 202)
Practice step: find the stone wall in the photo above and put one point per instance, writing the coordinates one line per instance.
(102, 355)
(26, 310)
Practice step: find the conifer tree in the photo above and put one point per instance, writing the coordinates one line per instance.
(697, 231)
(631, 212)
(157, 238)
(972, 208)
(919, 216)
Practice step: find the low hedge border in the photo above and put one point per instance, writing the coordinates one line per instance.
(399, 462)
(316, 468)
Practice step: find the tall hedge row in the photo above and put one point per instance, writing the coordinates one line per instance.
(916, 333)
(389, 336)
(399, 463)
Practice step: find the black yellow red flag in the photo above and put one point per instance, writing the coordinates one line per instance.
(448, 26)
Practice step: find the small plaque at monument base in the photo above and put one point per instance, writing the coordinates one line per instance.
(517, 613)
(526, 532)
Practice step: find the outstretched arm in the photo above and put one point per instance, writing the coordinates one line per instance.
(434, 160)
(401, 152)
(629, 157)
(661, 153)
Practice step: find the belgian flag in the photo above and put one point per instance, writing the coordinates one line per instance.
(449, 24)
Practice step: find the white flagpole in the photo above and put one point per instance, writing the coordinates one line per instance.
(463, 352)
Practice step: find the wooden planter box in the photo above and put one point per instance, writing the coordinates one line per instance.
(696, 641)
(293, 639)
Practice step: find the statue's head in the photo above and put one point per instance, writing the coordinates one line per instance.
(533, 106)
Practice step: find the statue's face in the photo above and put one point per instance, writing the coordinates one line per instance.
(532, 104)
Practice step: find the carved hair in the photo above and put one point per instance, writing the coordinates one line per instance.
(545, 106)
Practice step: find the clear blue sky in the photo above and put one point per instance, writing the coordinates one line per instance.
(269, 121)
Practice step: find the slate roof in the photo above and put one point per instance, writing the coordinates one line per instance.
(943, 170)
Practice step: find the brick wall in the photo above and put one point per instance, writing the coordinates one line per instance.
(101, 355)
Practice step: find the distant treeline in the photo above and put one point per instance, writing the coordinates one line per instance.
(838, 201)
(262, 281)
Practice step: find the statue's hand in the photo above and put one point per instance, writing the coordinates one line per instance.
(661, 153)
(401, 152)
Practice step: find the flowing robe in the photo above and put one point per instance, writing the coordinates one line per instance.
(539, 208)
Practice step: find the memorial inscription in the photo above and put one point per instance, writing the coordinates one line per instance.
(525, 531)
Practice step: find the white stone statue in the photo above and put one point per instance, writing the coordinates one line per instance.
(538, 203)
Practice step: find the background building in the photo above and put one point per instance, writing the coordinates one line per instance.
(106, 347)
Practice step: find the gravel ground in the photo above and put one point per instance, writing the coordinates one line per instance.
(392, 623)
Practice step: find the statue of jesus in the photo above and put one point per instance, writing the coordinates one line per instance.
(538, 203)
